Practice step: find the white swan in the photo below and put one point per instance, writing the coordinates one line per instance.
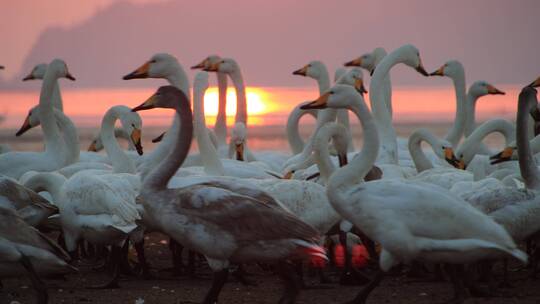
(221, 224)
(14, 164)
(293, 135)
(220, 128)
(399, 214)
(29, 251)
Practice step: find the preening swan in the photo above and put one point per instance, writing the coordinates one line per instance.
(396, 213)
(222, 225)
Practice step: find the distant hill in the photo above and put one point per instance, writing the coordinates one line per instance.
(272, 38)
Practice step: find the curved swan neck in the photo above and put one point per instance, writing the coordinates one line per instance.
(343, 118)
(357, 169)
(158, 178)
(293, 135)
(241, 101)
(220, 128)
(71, 137)
(320, 151)
(211, 162)
(50, 182)
(419, 158)
(120, 161)
(455, 133)
(527, 165)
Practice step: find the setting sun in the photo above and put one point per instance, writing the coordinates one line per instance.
(257, 102)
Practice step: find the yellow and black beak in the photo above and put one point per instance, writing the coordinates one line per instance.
(354, 63)
(159, 138)
(147, 105)
(136, 139)
(359, 86)
(29, 77)
(452, 159)
(302, 71)
(141, 72)
(239, 151)
(438, 72)
(212, 68)
(92, 147)
(503, 156)
(494, 91)
(320, 103)
(535, 83)
(201, 65)
(420, 68)
(69, 76)
(25, 127)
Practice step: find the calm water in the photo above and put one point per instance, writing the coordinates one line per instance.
(433, 108)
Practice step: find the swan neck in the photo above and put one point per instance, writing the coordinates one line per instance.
(210, 159)
(293, 135)
(527, 164)
(323, 81)
(419, 158)
(50, 182)
(158, 178)
(57, 97)
(357, 169)
(456, 132)
(241, 101)
(220, 128)
(120, 161)
(71, 137)
(470, 112)
(51, 132)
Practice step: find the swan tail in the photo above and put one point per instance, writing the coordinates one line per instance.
(463, 245)
(119, 224)
(127, 211)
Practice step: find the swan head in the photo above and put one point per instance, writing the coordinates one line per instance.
(482, 88)
(31, 120)
(132, 125)
(225, 65)
(38, 72)
(355, 78)
(60, 69)
(535, 83)
(315, 69)
(451, 68)
(161, 65)
(410, 56)
(505, 155)
(207, 62)
(165, 97)
(339, 96)
(368, 61)
(238, 139)
(443, 149)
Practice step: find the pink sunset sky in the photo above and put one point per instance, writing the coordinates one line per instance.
(101, 40)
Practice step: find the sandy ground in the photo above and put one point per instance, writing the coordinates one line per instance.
(396, 288)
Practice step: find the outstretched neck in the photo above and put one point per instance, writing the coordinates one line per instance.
(356, 170)
(323, 81)
(460, 121)
(211, 162)
(51, 132)
(470, 112)
(241, 101)
(419, 158)
(158, 178)
(527, 165)
(57, 97)
(220, 128)
(120, 161)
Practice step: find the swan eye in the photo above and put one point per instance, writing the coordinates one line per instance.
(153, 61)
(133, 125)
(331, 92)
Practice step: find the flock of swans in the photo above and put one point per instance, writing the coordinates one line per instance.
(459, 205)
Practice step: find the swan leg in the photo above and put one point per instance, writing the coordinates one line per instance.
(289, 276)
(220, 277)
(362, 296)
(349, 276)
(455, 274)
(116, 255)
(39, 286)
(145, 267)
(125, 267)
(240, 274)
(176, 250)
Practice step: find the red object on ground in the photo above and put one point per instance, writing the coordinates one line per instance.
(339, 256)
(360, 256)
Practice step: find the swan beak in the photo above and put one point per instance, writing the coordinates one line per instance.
(494, 91)
(420, 68)
(25, 127)
(200, 65)
(159, 138)
(212, 68)
(288, 175)
(70, 77)
(29, 77)
(504, 155)
(320, 103)
(147, 105)
(359, 86)
(302, 71)
(354, 63)
(439, 72)
(451, 158)
(535, 83)
(136, 138)
(141, 72)
(343, 161)
(92, 147)
(239, 152)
